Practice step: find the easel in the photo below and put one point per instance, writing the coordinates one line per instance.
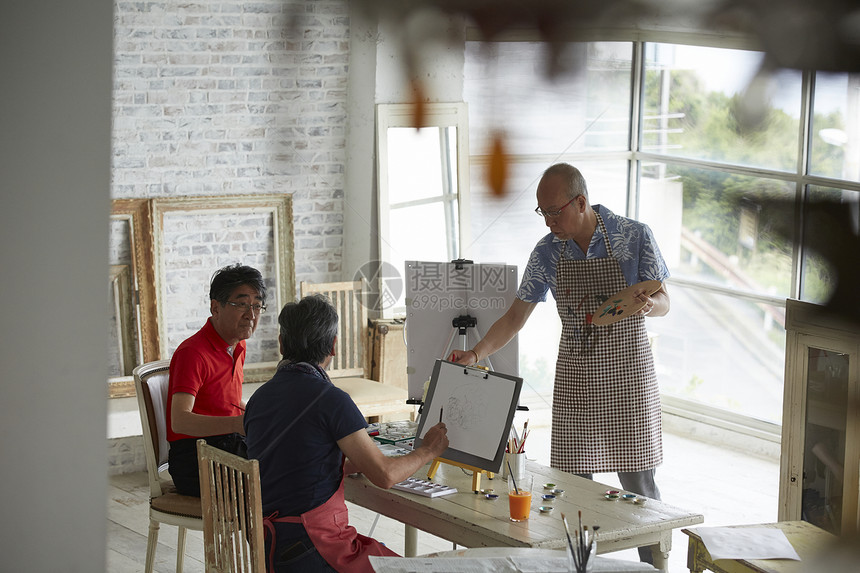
(463, 325)
(476, 472)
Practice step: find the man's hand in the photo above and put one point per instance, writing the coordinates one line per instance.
(364, 456)
(655, 305)
(436, 439)
(640, 296)
(464, 357)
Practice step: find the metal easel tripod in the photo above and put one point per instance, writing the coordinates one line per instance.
(461, 326)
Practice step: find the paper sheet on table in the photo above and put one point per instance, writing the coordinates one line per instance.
(497, 565)
(746, 543)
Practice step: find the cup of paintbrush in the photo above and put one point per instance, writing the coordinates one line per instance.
(581, 546)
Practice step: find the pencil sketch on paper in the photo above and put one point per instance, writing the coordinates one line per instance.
(475, 410)
(466, 407)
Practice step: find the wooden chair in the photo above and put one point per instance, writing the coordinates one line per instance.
(232, 511)
(165, 505)
(349, 368)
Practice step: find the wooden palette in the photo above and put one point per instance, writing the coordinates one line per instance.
(622, 304)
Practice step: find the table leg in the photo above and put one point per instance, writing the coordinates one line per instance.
(660, 551)
(660, 558)
(410, 541)
(695, 557)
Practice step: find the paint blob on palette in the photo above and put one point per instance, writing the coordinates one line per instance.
(622, 304)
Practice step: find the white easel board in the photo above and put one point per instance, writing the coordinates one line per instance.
(437, 293)
(477, 407)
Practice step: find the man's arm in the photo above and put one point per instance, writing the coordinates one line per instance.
(185, 421)
(502, 331)
(364, 456)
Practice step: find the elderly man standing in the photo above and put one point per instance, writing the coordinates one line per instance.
(606, 403)
(206, 374)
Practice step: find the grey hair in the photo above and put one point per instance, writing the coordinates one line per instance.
(575, 181)
(308, 329)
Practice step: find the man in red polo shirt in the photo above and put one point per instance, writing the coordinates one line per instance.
(205, 391)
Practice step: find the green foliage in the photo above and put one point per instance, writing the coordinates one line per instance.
(818, 279)
(716, 127)
(712, 207)
(827, 159)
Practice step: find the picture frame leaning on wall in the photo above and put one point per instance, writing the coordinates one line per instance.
(131, 246)
(195, 236)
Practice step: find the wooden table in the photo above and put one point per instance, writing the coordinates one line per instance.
(470, 520)
(807, 539)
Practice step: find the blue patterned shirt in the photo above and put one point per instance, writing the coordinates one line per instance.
(632, 242)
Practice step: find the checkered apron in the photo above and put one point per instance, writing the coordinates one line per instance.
(606, 403)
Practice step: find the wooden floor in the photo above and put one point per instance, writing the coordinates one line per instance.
(726, 486)
(128, 522)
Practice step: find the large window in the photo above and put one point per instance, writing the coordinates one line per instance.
(723, 162)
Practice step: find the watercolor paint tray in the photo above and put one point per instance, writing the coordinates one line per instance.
(423, 487)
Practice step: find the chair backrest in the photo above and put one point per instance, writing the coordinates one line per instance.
(232, 511)
(150, 385)
(352, 328)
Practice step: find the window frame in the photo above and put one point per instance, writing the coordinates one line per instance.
(800, 177)
(451, 114)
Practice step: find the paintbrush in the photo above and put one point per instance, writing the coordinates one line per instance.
(573, 554)
(586, 540)
(579, 537)
(511, 475)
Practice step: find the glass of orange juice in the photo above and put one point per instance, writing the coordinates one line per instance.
(520, 497)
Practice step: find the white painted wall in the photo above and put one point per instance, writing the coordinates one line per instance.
(55, 61)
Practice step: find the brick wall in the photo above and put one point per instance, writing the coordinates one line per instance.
(223, 98)
(196, 244)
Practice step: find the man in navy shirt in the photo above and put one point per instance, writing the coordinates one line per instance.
(301, 428)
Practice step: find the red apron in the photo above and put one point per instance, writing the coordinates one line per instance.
(335, 539)
(606, 403)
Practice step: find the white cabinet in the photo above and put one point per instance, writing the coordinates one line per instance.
(820, 461)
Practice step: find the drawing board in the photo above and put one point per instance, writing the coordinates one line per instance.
(477, 407)
(437, 294)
